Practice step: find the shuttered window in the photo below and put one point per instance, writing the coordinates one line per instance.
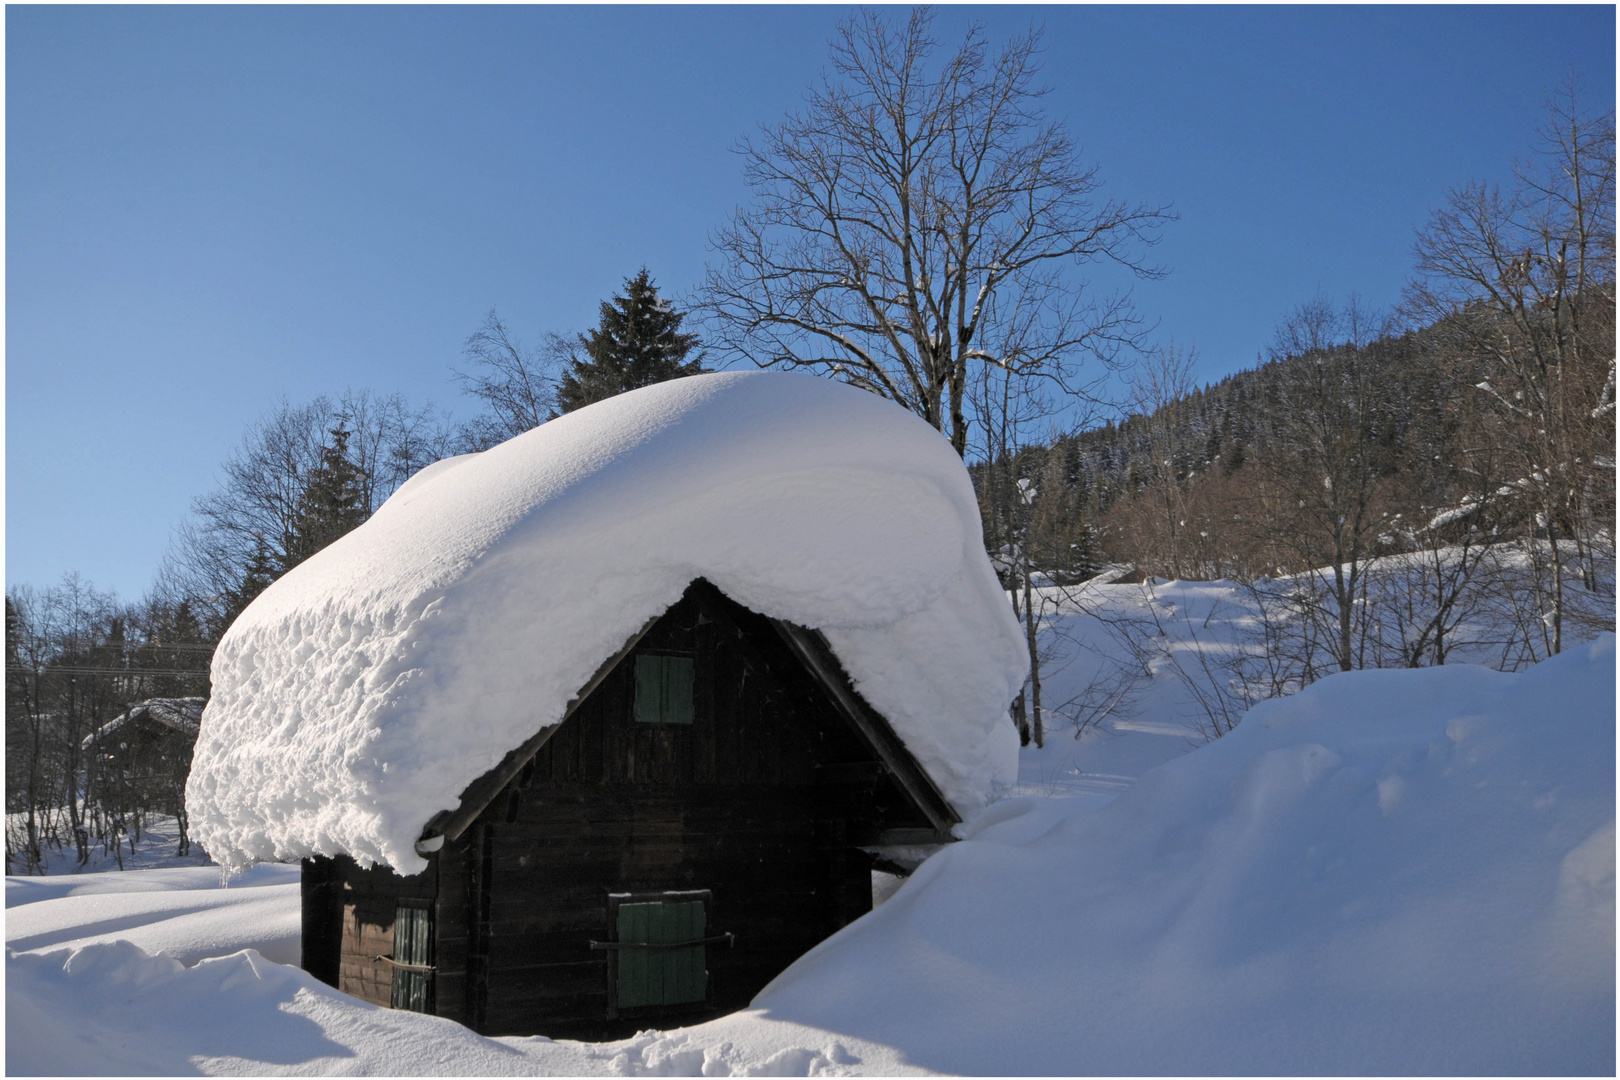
(413, 958)
(661, 976)
(663, 689)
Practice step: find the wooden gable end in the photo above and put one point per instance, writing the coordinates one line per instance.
(760, 804)
(794, 673)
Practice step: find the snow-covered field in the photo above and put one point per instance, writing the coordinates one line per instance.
(1136, 715)
(183, 913)
(1145, 672)
(1391, 872)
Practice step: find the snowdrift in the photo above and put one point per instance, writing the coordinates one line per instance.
(1393, 872)
(182, 913)
(1390, 872)
(363, 691)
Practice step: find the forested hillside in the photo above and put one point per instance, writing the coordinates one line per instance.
(1395, 433)
(1373, 497)
(1462, 445)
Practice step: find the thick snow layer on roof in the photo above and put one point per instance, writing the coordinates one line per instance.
(364, 690)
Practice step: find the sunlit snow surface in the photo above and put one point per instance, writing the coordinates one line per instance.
(182, 913)
(363, 691)
(1391, 872)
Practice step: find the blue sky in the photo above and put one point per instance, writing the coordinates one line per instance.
(208, 209)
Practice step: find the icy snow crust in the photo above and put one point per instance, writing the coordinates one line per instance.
(363, 691)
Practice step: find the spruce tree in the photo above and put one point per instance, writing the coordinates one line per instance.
(332, 503)
(260, 571)
(636, 343)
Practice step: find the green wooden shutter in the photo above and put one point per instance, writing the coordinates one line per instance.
(635, 965)
(413, 940)
(649, 684)
(678, 691)
(664, 689)
(662, 976)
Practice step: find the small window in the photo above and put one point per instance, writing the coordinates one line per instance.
(663, 689)
(661, 942)
(413, 957)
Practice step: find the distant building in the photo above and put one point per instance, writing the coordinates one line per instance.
(142, 756)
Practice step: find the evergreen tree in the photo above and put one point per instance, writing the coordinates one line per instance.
(636, 343)
(260, 571)
(333, 501)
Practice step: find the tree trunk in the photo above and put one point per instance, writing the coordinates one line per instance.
(1557, 585)
(1038, 731)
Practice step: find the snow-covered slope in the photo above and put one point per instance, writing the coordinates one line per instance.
(1153, 669)
(1391, 872)
(363, 691)
(185, 913)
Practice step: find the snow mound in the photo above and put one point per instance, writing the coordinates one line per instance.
(1394, 871)
(363, 691)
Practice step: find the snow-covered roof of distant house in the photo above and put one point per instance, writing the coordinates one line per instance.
(363, 691)
(182, 714)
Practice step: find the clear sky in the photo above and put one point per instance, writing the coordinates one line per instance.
(210, 208)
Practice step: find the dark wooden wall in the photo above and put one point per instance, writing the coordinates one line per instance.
(763, 799)
(348, 921)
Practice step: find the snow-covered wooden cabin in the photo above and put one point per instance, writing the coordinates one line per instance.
(143, 755)
(602, 728)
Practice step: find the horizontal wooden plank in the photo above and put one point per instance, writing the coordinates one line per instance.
(617, 817)
(679, 863)
(738, 830)
(521, 914)
(584, 1017)
(537, 990)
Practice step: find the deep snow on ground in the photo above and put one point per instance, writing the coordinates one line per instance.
(186, 913)
(112, 1009)
(1394, 871)
(1391, 872)
(1135, 718)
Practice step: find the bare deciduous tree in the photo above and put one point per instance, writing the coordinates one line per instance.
(1525, 283)
(1006, 407)
(1336, 443)
(254, 515)
(517, 385)
(912, 222)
